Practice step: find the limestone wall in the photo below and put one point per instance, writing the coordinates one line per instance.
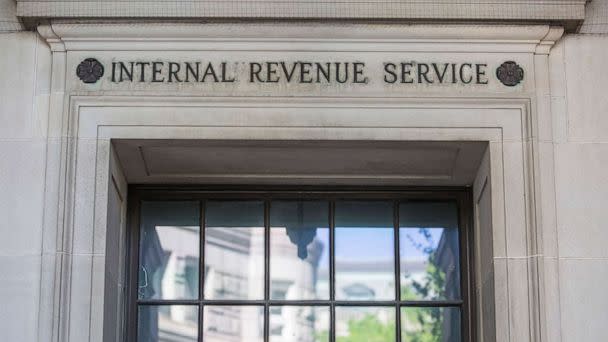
(580, 121)
(24, 94)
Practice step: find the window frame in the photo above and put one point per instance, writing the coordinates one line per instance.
(462, 196)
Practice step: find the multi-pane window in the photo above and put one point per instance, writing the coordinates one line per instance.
(325, 267)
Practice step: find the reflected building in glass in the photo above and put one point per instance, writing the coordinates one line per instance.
(168, 270)
(299, 269)
(299, 260)
(234, 270)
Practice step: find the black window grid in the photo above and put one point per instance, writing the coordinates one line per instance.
(461, 196)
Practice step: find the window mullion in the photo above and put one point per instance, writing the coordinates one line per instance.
(466, 279)
(201, 270)
(332, 272)
(397, 271)
(266, 270)
(133, 277)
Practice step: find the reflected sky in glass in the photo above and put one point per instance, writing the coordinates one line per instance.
(234, 250)
(364, 242)
(299, 250)
(233, 323)
(430, 324)
(167, 323)
(429, 251)
(169, 250)
(365, 324)
(299, 324)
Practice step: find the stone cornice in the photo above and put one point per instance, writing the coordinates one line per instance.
(289, 9)
(90, 36)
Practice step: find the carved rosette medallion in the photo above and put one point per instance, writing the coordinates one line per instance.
(510, 73)
(90, 70)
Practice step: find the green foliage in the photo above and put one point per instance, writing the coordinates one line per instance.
(322, 337)
(434, 282)
(424, 324)
(367, 329)
(419, 324)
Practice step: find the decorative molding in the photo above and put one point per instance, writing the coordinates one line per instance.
(300, 36)
(104, 121)
(553, 35)
(71, 29)
(513, 129)
(54, 41)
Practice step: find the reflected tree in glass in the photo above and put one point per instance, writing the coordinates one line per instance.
(365, 324)
(430, 324)
(299, 324)
(429, 250)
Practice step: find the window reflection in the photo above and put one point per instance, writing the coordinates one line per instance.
(429, 250)
(430, 324)
(167, 323)
(233, 323)
(169, 250)
(234, 266)
(234, 250)
(364, 242)
(299, 324)
(365, 324)
(299, 250)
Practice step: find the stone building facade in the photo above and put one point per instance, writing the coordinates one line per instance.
(504, 100)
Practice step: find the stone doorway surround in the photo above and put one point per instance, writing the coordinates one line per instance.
(516, 287)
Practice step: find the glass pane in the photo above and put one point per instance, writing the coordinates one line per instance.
(429, 250)
(167, 323)
(299, 250)
(169, 250)
(234, 250)
(233, 324)
(430, 324)
(364, 242)
(299, 324)
(365, 324)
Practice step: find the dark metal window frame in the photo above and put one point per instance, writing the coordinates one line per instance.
(462, 197)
